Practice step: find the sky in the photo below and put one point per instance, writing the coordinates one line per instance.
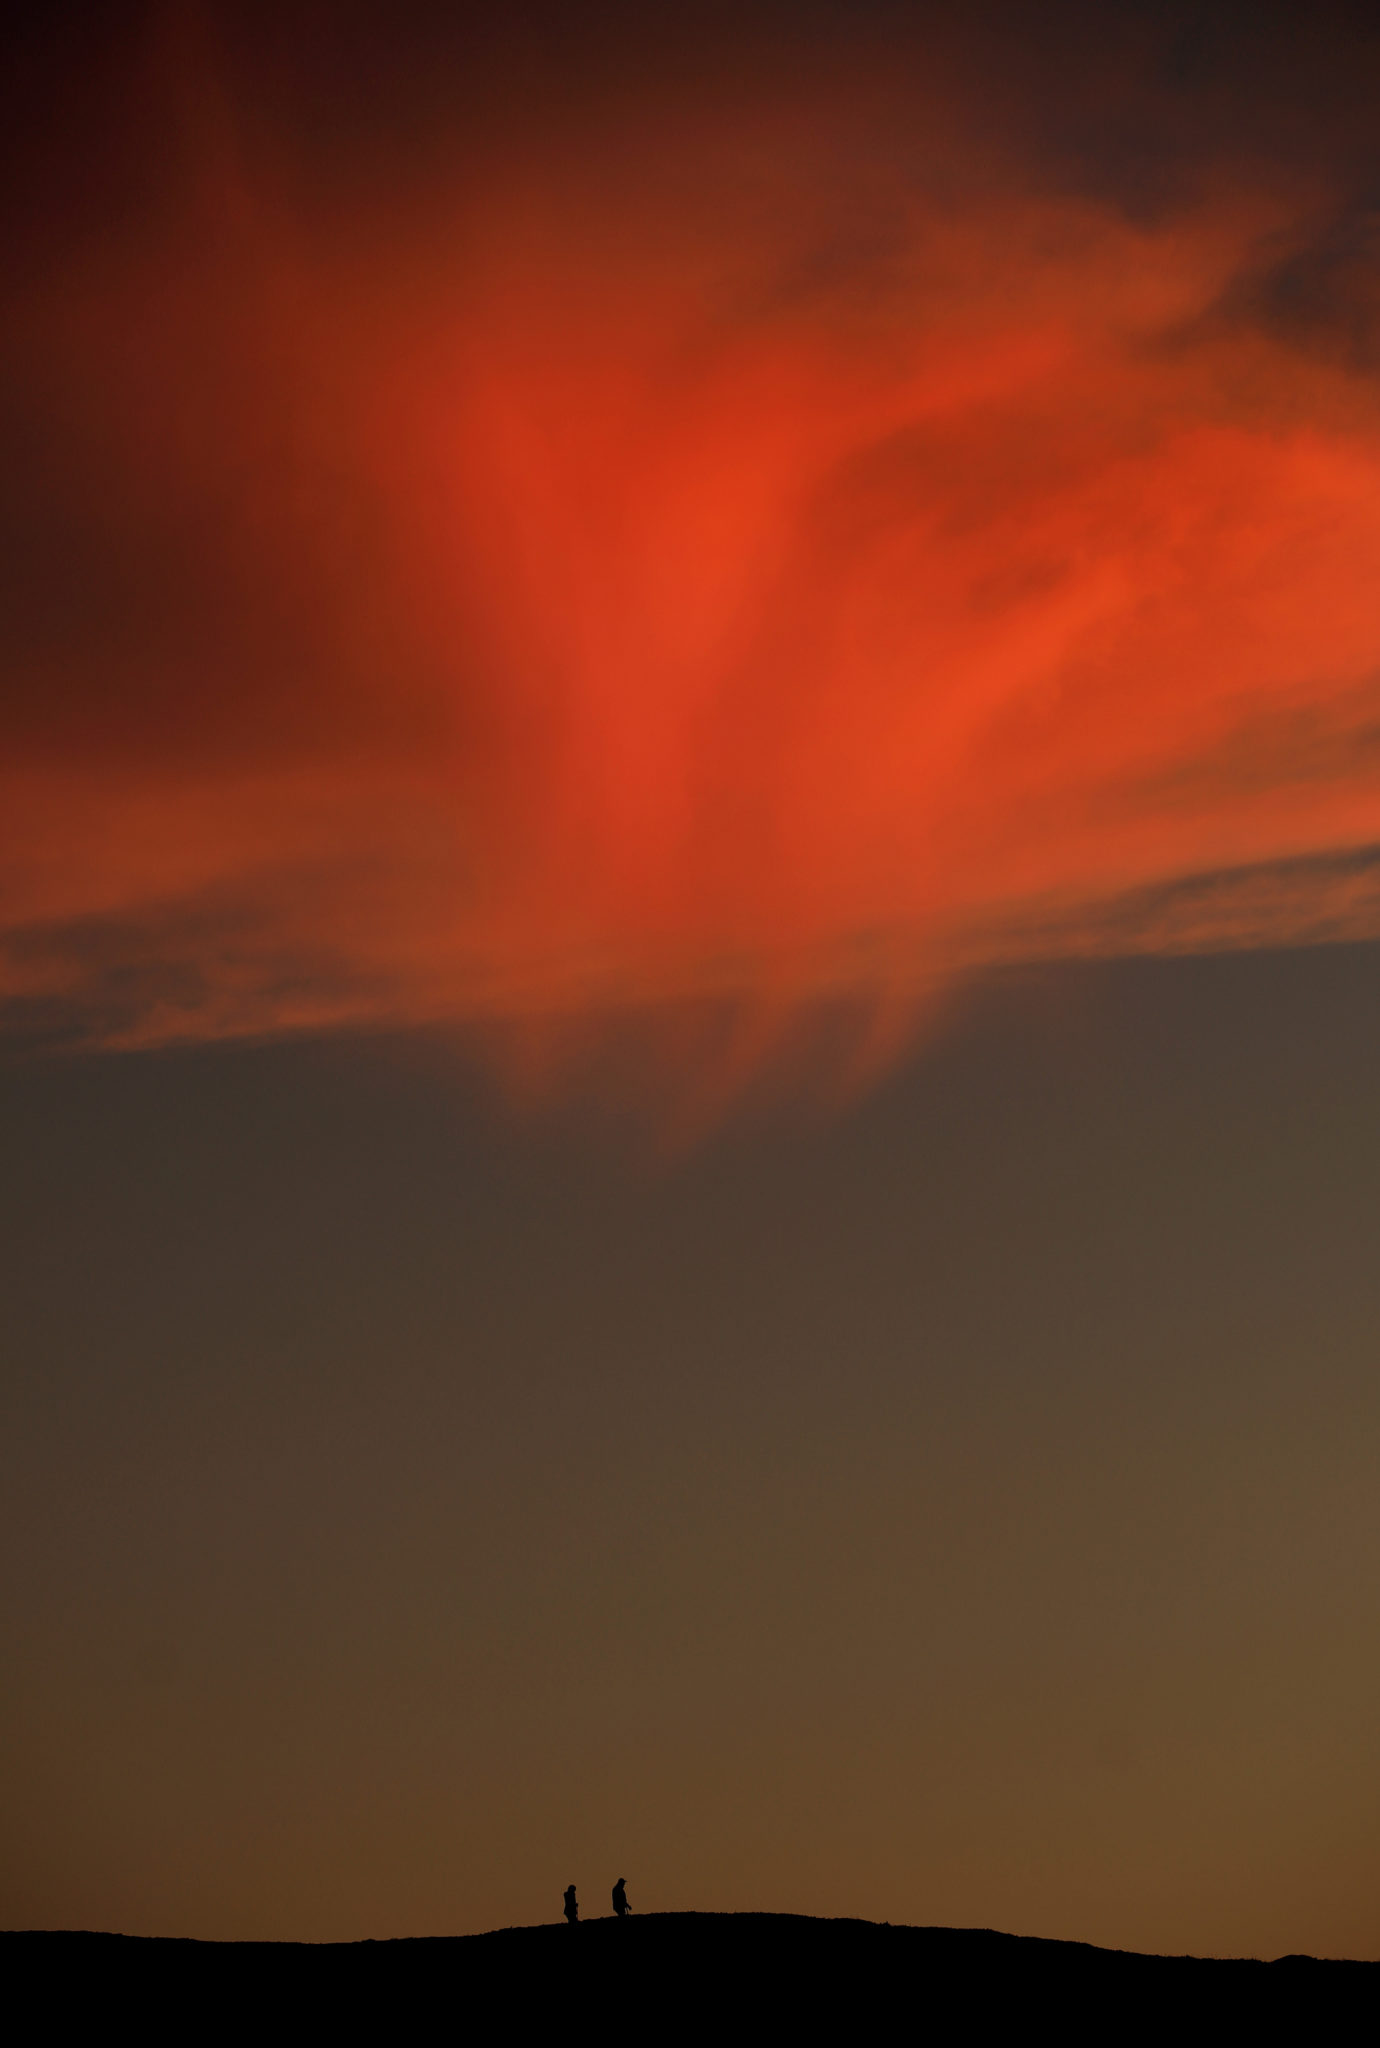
(689, 946)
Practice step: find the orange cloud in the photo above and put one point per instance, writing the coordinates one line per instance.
(722, 563)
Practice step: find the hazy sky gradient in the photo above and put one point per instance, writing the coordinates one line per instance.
(961, 1512)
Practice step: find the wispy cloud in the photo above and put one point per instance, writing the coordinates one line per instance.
(776, 546)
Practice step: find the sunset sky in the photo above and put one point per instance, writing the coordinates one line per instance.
(690, 966)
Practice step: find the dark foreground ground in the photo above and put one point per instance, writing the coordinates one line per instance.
(670, 1976)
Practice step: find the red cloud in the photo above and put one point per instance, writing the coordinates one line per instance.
(674, 571)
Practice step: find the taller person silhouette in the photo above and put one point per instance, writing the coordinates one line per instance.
(620, 1898)
(572, 1905)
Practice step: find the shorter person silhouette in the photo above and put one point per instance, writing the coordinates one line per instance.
(620, 1898)
(572, 1907)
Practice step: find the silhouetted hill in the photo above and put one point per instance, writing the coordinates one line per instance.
(658, 1976)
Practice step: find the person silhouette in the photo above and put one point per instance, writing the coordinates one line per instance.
(572, 1905)
(620, 1898)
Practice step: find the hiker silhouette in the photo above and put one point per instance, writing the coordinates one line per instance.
(620, 1898)
(572, 1905)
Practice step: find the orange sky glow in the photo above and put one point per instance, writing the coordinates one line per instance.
(624, 579)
